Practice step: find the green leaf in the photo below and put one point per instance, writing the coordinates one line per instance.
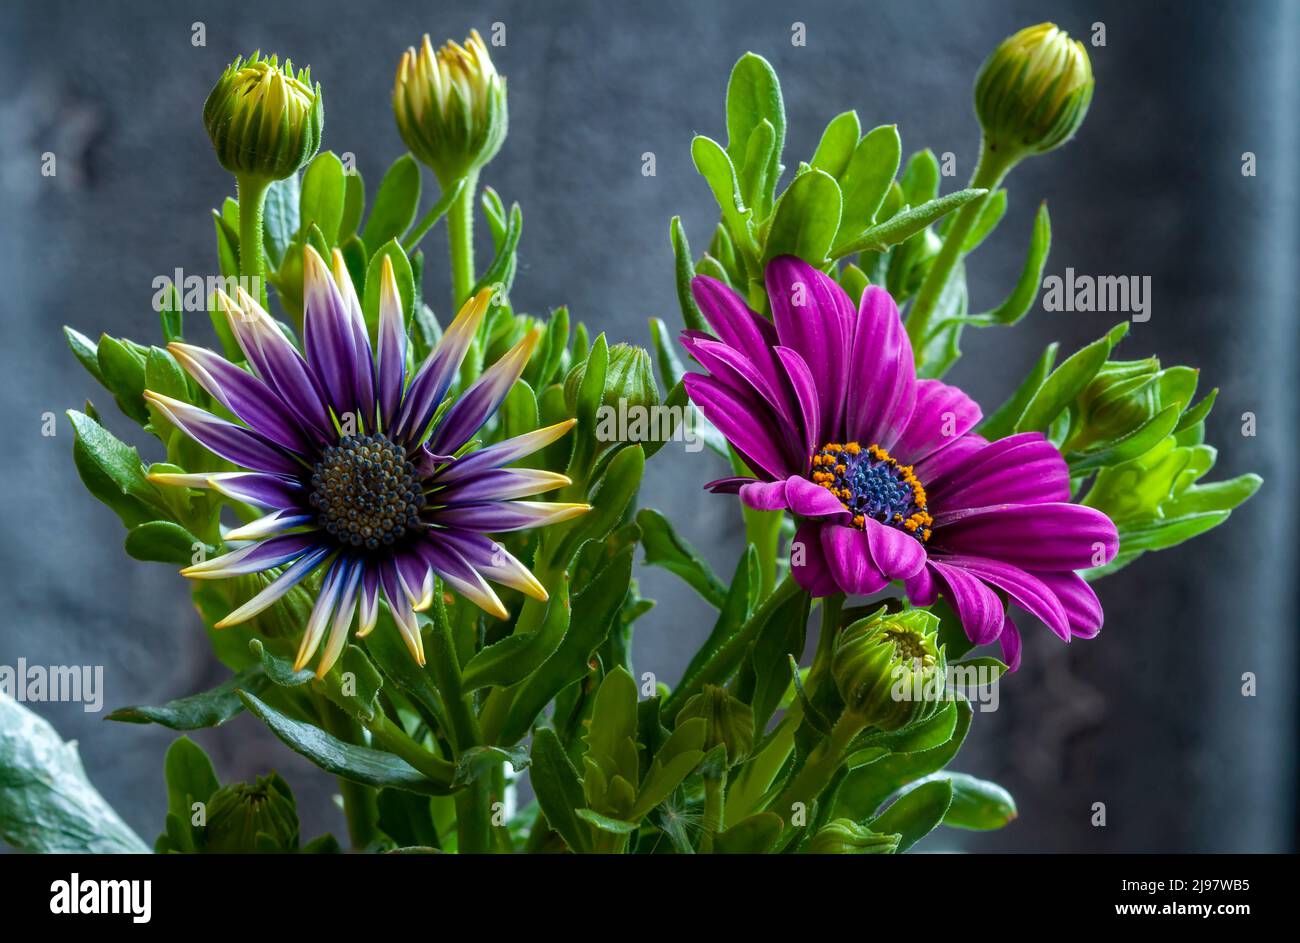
(679, 755)
(363, 765)
(515, 657)
(395, 203)
(907, 223)
(1067, 382)
(163, 374)
(559, 790)
(920, 180)
(111, 471)
(991, 213)
(806, 219)
(866, 180)
(1137, 443)
(280, 217)
(605, 823)
(684, 271)
(476, 761)
(837, 144)
(1003, 421)
(122, 370)
(614, 493)
(718, 170)
(389, 653)
(205, 709)
(755, 835)
(915, 814)
(190, 779)
(665, 548)
(324, 191)
(47, 805)
(1022, 297)
(354, 204)
(85, 350)
(594, 611)
(733, 612)
(778, 641)
(754, 96)
(501, 272)
(162, 542)
(976, 803)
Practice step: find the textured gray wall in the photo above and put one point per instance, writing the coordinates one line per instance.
(1148, 718)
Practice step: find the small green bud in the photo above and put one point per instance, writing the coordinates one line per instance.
(1121, 396)
(729, 721)
(846, 837)
(1033, 92)
(889, 668)
(264, 121)
(245, 817)
(629, 377)
(450, 106)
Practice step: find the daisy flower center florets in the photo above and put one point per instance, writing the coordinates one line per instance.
(869, 482)
(365, 492)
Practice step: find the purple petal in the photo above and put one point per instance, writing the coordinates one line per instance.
(243, 394)
(1010, 639)
(502, 484)
(481, 400)
(400, 606)
(736, 325)
(897, 554)
(1082, 607)
(431, 383)
(748, 429)
(763, 495)
(730, 485)
(881, 373)
(504, 452)
(291, 577)
(457, 573)
(813, 316)
(233, 443)
(274, 551)
(942, 414)
(364, 384)
(493, 561)
(327, 335)
(349, 584)
(808, 562)
(1020, 469)
(369, 601)
(950, 458)
(273, 523)
(979, 608)
(849, 558)
(504, 516)
(808, 419)
(391, 371)
(809, 500)
(268, 491)
(319, 619)
(1054, 536)
(1029, 592)
(921, 587)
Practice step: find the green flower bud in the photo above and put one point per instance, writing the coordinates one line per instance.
(1122, 396)
(450, 106)
(1032, 93)
(889, 668)
(728, 721)
(629, 377)
(265, 121)
(245, 817)
(846, 837)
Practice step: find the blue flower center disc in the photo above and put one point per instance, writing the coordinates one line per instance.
(870, 483)
(365, 492)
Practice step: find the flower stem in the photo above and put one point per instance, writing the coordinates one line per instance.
(723, 661)
(251, 192)
(715, 789)
(820, 767)
(993, 166)
(359, 802)
(460, 240)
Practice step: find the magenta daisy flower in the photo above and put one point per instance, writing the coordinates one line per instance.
(882, 470)
(358, 479)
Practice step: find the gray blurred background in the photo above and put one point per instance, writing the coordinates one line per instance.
(1148, 718)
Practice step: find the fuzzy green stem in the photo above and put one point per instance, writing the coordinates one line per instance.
(359, 802)
(715, 790)
(460, 240)
(993, 166)
(820, 767)
(251, 192)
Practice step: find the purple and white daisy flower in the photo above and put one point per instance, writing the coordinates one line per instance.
(882, 470)
(341, 448)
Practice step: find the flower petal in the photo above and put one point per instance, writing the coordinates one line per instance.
(369, 602)
(1054, 536)
(1010, 639)
(809, 416)
(457, 573)
(897, 554)
(264, 490)
(808, 562)
(330, 589)
(243, 394)
(273, 523)
(286, 581)
(941, 416)
(745, 426)
(364, 384)
(814, 316)
(400, 606)
(504, 452)
(233, 443)
(327, 335)
(349, 583)
(763, 495)
(882, 372)
(274, 551)
(849, 557)
(736, 325)
(493, 561)
(1082, 607)
(391, 370)
(1020, 469)
(481, 400)
(1029, 592)
(430, 384)
(502, 484)
(809, 500)
(503, 516)
(982, 613)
